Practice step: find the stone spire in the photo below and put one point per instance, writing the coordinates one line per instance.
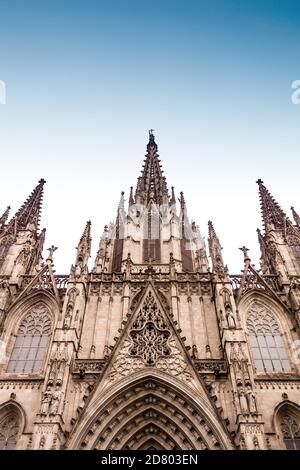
(120, 221)
(131, 199)
(296, 216)
(152, 184)
(28, 216)
(4, 217)
(272, 214)
(83, 251)
(119, 235)
(215, 249)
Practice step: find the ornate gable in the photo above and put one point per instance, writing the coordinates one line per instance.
(150, 340)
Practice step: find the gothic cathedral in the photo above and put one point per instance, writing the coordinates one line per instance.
(156, 346)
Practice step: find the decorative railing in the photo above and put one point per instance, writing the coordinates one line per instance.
(252, 281)
(45, 282)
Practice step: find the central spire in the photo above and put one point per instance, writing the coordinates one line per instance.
(151, 185)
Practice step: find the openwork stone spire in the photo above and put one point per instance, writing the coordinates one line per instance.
(84, 247)
(295, 216)
(215, 249)
(4, 217)
(28, 216)
(272, 214)
(152, 184)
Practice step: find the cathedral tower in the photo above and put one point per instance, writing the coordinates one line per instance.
(157, 346)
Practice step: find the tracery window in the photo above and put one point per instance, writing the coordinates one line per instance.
(290, 429)
(32, 338)
(268, 350)
(150, 333)
(9, 430)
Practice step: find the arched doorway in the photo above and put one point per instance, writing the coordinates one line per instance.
(150, 411)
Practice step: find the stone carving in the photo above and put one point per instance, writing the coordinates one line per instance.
(36, 322)
(55, 401)
(89, 366)
(240, 364)
(51, 401)
(4, 299)
(256, 443)
(9, 430)
(261, 321)
(149, 333)
(24, 254)
(58, 364)
(46, 400)
(42, 442)
(72, 294)
(194, 352)
(150, 343)
(243, 401)
(230, 317)
(290, 428)
(215, 366)
(231, 320)
(251, 400)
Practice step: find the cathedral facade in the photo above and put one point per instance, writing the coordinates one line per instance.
(157, 346)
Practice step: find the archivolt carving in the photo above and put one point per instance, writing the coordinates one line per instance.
(149, 410)
(261, 321)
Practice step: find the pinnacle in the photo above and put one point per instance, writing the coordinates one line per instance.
(271, 211)
(28, 216)
(152, 183)
(4, 216)
(296, 216)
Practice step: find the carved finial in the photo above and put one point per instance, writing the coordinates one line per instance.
(245, 252)
(151, 135)
(182, 200)
(51, 250)
(173, 200)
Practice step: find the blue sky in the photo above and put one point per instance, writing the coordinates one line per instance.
(86, 80)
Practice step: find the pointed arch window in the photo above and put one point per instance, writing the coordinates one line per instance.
(9, 430)
(290, 428)
(31, 343)
(268, 349)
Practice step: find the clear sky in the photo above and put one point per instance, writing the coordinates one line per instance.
(85, 81)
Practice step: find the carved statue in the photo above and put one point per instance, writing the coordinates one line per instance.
(230, 317)
(68, 318)
(42, 442)
(52, 373)
(24, 254)
(195, 352)
(243, 401)
(251, 400)
(55, 402)
(46, 401)
(256, 443)
(60, 373)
